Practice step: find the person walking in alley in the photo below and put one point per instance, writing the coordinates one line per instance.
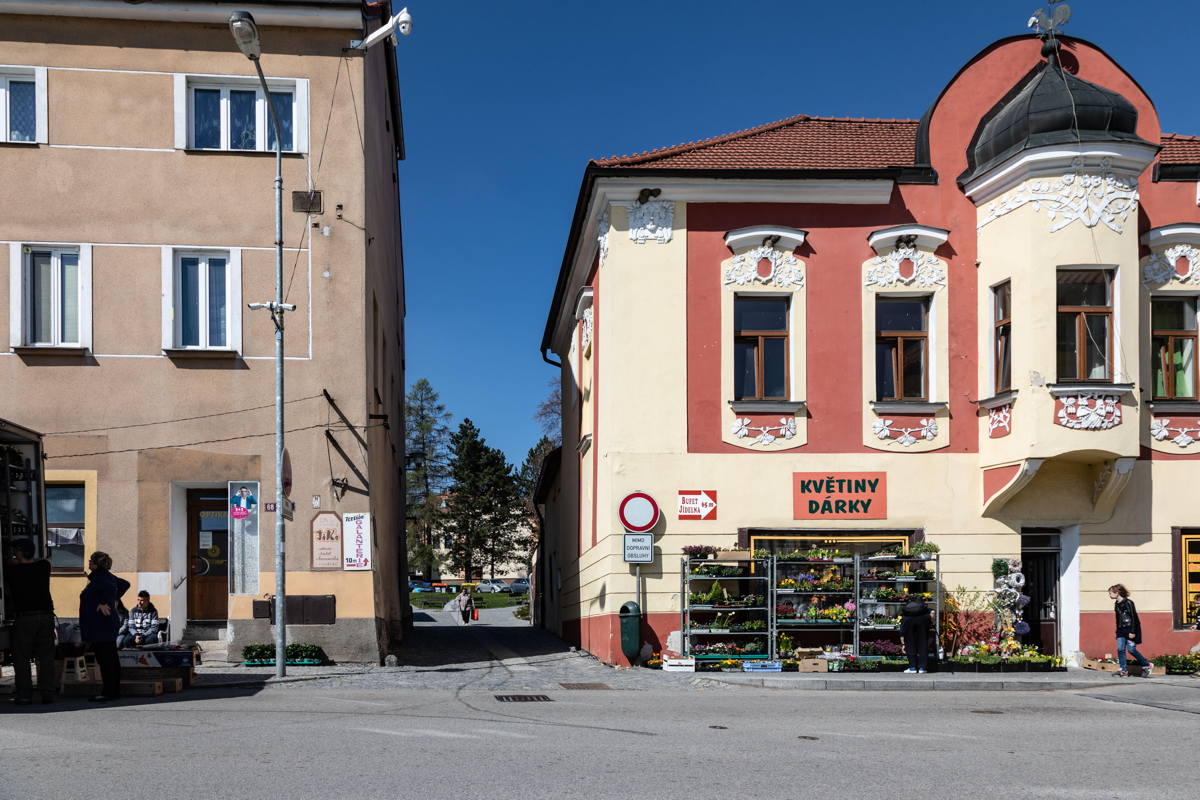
(1129, 630)
(28, 581)
(99, 622)
(915, 620)
(465, 604)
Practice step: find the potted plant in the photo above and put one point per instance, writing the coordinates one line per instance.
(699, 551)
(730, 665)
(923, 549)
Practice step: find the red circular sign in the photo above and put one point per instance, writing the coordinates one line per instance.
(287, 474)
(638, 512)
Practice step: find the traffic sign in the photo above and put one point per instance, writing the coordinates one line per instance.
(289, 509)
(638, 512)
(697, 503)
(639, 548)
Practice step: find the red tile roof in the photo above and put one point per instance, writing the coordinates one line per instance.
(1180, 149)
(804, 142)
(800, 142)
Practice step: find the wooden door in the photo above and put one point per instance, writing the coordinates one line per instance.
(208, 554)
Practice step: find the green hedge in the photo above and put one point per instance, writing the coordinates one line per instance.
(1178, 664)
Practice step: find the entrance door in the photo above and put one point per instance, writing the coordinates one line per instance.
(208, 554)
(1040, 566)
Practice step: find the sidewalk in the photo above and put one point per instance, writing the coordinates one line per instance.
(1074, 678)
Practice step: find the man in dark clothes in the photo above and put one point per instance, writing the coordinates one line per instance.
(28, 581)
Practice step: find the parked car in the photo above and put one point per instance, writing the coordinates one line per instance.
(519, 586)
(416, 587)
(493, 587)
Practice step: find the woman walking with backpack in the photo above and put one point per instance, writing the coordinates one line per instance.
(1129, 630)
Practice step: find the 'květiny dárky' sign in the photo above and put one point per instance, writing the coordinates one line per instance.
(839, 495)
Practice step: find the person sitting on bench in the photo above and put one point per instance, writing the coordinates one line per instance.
(142, 625)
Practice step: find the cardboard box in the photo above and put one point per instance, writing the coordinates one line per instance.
(679, 664)
(813, 665)
(1103, 666)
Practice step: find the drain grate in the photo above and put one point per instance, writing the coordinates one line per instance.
(585, 686)
(985, 711)
(523, 698)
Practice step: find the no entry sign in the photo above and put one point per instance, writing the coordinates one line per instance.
(638, 512)
(697, 503)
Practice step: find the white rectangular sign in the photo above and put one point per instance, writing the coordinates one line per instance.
(639, 548)
(679, 665)
(356, 541)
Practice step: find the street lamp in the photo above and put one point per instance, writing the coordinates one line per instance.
(245, 34)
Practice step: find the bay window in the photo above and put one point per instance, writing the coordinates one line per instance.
(1085, 325)
(1173, 339)
(1002, 337)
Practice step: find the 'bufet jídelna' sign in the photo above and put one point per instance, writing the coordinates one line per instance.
(697, 504)
(839, 495)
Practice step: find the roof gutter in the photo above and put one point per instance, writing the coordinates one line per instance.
(195, 12)
(593, 172)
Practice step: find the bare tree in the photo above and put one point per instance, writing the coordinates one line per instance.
(549, 412)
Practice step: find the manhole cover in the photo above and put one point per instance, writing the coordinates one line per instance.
(523, 698)
(585, 685)
(986, 711)
(718, 727)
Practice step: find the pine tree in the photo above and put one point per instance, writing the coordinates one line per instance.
(483, 510)
(428, 477)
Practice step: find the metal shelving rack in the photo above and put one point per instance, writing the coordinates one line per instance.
(864, 563)
(757, 572)
(786, 625)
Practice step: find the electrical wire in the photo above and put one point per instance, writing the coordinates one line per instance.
(206, 441)
(181, 419)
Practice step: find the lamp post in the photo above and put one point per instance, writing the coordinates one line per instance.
(245, 34)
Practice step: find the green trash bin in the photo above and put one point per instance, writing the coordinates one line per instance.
(631, 630)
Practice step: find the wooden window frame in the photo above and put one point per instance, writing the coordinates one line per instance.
(1001, 343)
(1081, 314)
(758, 338)
(1171, 337)
(1180, 538)
(897, 338)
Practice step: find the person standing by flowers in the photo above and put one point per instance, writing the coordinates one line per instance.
(1129, 630)
(915, 621)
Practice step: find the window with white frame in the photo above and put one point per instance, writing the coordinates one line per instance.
(232, 114)
(202, 298)
(50, 296)
(23, 104)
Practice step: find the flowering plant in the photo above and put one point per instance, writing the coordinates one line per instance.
(785, 612)
(787, 583)
(880, 647)
(849, 605)
(699, 550)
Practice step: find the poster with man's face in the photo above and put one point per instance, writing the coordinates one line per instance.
(243, 537)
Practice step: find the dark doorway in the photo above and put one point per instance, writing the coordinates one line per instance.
(1039, 563)
(208, 554)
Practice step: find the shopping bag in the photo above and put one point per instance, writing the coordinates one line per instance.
(475, 613)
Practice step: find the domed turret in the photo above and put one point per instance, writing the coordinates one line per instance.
(1053, 107)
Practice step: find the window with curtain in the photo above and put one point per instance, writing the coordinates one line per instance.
(18, 109)
(901, 348)
(1002, 336)
(236, 117)
(65, 526)
(760, 348)
(1173, 343)
(52, 297)
(201, 300)
(1085, 325)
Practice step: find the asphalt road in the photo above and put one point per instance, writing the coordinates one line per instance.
(397, 735)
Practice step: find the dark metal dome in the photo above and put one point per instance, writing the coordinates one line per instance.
(1053, 107)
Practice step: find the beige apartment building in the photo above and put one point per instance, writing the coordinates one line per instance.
(136, 224)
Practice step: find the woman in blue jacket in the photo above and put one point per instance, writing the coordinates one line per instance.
(99, 622)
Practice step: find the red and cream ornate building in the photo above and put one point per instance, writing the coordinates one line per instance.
(991, 310)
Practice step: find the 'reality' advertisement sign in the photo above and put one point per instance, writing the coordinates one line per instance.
(839, 495)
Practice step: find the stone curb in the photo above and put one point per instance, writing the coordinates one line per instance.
(819, 684)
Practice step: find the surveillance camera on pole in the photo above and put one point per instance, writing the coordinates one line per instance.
(401, 23)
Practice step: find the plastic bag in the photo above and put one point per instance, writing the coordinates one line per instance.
(475, 613)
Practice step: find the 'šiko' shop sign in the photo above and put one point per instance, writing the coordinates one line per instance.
(839, 495)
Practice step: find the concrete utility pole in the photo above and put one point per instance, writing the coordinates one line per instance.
(245, 33)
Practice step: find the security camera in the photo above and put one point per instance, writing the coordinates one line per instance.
(401, 23)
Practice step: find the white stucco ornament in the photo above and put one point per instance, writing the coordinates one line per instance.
(652, 220)
(1160, 267)
(1090, 411)
(883, 429)
(602, 235)
(586, 336)
(1091, 197)
(885, 271)
(786, 271)
(1000, 418)
(786, 429)
(1181, 436)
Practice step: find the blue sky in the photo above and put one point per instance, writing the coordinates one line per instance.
(504, 103)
